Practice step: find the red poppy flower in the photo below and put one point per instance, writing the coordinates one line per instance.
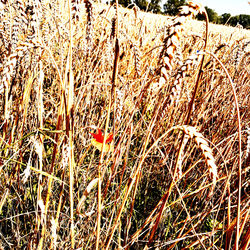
(99, 139)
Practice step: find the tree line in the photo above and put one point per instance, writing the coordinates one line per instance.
(171, 8)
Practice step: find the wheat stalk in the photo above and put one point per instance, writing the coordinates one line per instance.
(248, 142)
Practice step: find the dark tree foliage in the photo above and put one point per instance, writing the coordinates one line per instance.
(243, 20)
(124, 3)
(154, 6)
(171, 7)
(225, 18)
(212, 16)
(142, 4)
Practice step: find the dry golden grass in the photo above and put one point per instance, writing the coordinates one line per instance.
(178, 174)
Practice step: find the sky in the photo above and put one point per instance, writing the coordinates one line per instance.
(234, 7)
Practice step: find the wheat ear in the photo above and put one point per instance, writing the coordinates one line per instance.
(175, 90)
(91, 185)
(171, 42)
(90, 19)
(170, 49)
(206, 150)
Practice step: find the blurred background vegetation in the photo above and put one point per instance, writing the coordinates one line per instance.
(171, 8)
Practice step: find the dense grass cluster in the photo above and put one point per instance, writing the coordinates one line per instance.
(174, 94)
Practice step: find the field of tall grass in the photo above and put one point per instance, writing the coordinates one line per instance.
(121, 129)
